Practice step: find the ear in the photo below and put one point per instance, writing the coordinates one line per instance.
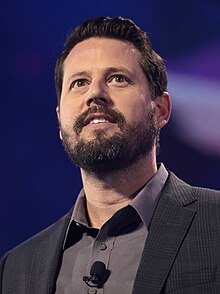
(58, 118)
(163, 105)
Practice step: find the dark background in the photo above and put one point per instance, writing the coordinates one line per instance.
(38, 182)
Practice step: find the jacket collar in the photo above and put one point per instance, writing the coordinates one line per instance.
(171, 220)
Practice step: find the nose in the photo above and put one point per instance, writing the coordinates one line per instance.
(98, 95)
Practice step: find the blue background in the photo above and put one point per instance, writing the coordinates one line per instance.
(38, 182)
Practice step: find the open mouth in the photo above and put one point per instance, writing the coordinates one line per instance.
(96, 118)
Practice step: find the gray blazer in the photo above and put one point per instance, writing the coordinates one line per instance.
(181, 253)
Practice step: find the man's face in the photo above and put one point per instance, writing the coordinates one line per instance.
(106, 113)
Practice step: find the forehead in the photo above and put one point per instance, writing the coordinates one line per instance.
(98, 52)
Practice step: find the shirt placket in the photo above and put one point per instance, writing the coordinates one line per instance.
(100, 251)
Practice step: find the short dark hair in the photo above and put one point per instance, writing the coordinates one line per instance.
(122, 29)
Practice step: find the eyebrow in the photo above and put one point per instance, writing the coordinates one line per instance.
(118, 69)
(78, 74)
(108, 70)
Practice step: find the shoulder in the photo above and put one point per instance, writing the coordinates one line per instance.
(185, 193)
(35, 262)
(48, 237)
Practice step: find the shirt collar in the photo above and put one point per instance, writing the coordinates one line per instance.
(144, 203)
(79, 211)
(146, 200)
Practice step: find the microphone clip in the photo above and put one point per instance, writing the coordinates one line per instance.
(97, 275)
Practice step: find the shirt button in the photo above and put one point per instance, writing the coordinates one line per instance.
(102, 246)
(92, 291)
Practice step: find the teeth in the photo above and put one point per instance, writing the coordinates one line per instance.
(98, 120)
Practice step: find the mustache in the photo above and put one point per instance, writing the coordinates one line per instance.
(116, 116)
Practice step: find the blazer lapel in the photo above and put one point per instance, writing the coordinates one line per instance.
(168, 228)
(46, 262)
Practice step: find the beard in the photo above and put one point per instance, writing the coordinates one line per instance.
(110, 153)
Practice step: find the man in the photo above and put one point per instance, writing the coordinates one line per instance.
(135, 228)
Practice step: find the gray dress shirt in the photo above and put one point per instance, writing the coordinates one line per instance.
(118, 243)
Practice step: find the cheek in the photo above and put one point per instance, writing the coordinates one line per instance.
(70, 109)
(67, 116)
(135, 110)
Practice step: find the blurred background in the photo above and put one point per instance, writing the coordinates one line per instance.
(38, 182)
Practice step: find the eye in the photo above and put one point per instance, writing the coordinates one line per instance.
(78, 84)
(119, 79)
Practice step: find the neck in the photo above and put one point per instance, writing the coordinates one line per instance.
(108, 192)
